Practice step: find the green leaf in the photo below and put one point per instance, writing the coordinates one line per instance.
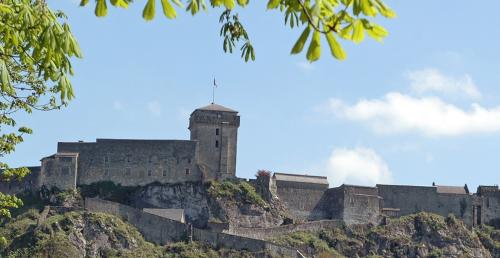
(242, 2)
(273, 4)
(229, 4)
(335, 48)
(368, 8)
(217, 2)
(25, 130)
(5, 78)
(119, 3)
(314, 50)
(358, 33)
(193, 7)
(168, 10)
(149, 10)
(299, 45)
(5, 8)
(356, 7)
(346, 33)
(375, 31)
(84, 2)
(385, 10)
(101, 9)
(178, 3)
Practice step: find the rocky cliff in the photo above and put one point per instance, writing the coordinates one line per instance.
(233, 202)
(419, 235)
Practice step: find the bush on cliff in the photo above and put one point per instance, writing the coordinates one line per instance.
(235, 191)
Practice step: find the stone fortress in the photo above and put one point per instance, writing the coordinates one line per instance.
(210, 154)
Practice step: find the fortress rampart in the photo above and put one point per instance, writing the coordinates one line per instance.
(210, 154)
(161, 230)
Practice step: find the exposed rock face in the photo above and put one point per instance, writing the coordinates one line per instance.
(419, 235)
(191, 197)
(235, 203)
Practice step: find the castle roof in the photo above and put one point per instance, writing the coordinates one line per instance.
(452, 189)
(216, 107)
(301, 178)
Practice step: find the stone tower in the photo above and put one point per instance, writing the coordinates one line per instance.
(216, 129)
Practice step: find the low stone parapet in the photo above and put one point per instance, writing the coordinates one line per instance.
(267, 233)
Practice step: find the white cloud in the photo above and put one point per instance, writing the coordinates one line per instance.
(429, 116)
(361, 166)
(432, 80)
(154, 108)
(118, 105)
(306, 66)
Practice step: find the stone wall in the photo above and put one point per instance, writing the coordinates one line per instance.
(331, 205)
(490, 206)
(154, 228)
(162, 230)
(267, 233)
(300, 198)
(217, 240)
(31, 182)
(351, 204)
(60, 170)
(361, 208)
(135, 162)
(412, 199)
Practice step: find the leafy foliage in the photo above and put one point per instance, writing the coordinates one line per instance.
(35, 50)
(263, 172)
(60, 235)
(332, 19)
(236, 191)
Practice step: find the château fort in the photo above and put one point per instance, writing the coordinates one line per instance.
(210, 154)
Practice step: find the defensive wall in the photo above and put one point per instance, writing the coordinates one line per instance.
(133, 162)
(300, 193)
(267, 233)
(60, 170)
(161, 230)
(31, 182)
(412, 199)
(155, 228)
(351, 204)
(488, 207)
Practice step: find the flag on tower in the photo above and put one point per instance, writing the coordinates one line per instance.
(213, 91)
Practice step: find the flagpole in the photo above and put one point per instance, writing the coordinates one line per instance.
(213, 92)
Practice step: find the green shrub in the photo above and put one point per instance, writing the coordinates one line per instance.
(236, 191)
(108, 190)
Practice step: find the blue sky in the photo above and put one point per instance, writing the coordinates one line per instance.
(422, 107)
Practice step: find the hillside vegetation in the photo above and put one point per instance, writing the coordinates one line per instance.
(36, 231)
(83, 234)
(418, 235)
